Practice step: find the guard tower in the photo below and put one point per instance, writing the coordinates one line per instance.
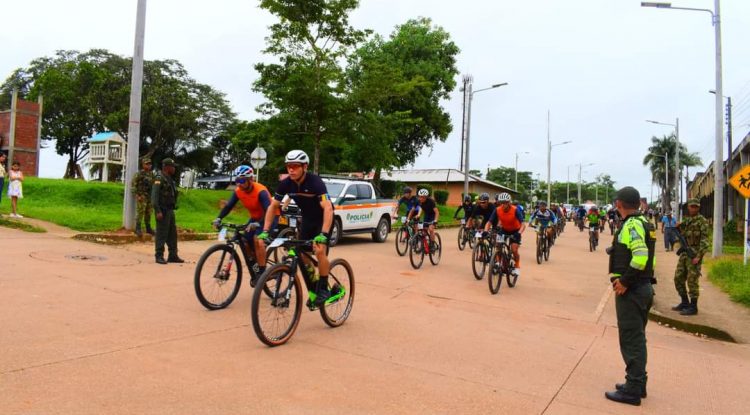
(107, 149)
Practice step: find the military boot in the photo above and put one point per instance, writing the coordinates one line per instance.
(691, 309)
(683, 304)
(138, 232)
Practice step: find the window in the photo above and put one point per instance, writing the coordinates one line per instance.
(364, 191)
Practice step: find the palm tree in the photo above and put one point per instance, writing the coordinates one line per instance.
(656, 163)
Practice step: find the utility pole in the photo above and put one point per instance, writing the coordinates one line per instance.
(134, 120)
(731, 192)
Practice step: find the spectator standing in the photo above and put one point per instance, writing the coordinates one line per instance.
(669, 223)
(141, 185)
(15, 188)
(3, 173)
(164, 200)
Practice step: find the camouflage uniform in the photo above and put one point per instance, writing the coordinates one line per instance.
(141, 185)
(164, 200)
(695, 230)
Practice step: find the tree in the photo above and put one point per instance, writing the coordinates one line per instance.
(506, 176)
(477, 173)
(85, 93)
(306, 87)
(656, 162)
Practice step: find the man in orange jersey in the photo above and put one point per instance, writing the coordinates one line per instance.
(510, 220)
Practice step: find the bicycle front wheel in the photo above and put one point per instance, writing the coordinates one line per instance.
(461, 238)
(508, 265)
(276, 318)
(341, 281)
(416, 251)
(402, 241)
(218, 276)
(479, 260)
(546, 249)
(435, 253)
(495, 276)
(539, 249)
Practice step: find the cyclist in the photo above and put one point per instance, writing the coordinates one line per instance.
(612, 217)
(510, 220)
(481, 212)
(467, 207)
(559, 215)
(603, 218)
(545, 217)
(411, 203)
(581, 213)
(256, 199)
(310, 194)
(593, 221)
(429, 212)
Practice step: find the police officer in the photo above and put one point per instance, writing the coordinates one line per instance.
(141, 185)
(695, 230)
(631, 268)
(164, 200)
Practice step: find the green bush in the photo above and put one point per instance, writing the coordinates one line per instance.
(391, 188)
(441, 196)
(731, 276)
(473, 196)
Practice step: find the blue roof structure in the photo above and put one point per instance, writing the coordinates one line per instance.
(100, 137)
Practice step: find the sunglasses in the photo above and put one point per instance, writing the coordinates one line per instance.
(293, 166)
(241, 180)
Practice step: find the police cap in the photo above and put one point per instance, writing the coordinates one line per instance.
(628, 195)
(694, 202)
(145, 160)
(167, 162)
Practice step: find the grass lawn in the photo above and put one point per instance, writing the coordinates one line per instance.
(732, 277)
(94, 206)
(20, 224)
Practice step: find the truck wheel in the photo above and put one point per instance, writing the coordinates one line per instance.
(335, 233)
(381, 232)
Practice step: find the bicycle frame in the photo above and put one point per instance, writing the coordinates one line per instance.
(246, 248)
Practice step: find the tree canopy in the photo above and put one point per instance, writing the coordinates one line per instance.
(656, 161)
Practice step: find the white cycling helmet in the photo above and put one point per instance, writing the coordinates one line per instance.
(423, 192)
(244, 171)
(504, 197)
(297, 156)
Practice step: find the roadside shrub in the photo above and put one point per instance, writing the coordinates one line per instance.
(391, 188)
(441, 196)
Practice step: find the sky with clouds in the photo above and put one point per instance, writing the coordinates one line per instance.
(600, 67)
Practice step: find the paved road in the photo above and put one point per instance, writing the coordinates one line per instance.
(116, 333)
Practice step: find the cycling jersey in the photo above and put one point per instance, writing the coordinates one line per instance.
(581, 213)
(593, 219)
(256, 200)
(485, 212)
(467, 208)
(428, 207)
(510, 221)
(308, 197)
(544, 217)
(411, 203)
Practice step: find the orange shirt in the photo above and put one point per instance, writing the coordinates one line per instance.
(508, 220)
(251, 200)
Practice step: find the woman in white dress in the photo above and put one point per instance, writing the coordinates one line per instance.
(15, 188)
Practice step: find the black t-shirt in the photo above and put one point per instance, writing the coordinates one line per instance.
(429, 209)
(307, 196)
(485, 212)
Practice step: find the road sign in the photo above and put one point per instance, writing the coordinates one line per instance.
(258, 158)
(741, 181)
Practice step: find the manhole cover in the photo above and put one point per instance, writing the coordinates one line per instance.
(86, 258)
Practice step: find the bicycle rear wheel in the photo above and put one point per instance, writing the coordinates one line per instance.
(508, 265)
(341, 281)
(276, 318)
(416, 251)
(218, 276)
(437, 252)
(495, 276)
(539, 247)
(546, 249)
(461, 238)
(402, 241)
(591, 242)
(479, 260)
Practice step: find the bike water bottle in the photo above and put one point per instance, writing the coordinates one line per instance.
(223, 234)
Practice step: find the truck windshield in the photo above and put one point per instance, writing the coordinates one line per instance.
(334, 189)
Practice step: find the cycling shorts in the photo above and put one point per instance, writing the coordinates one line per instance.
(308, 230)
(514, 236)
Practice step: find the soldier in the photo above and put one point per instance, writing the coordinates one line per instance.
(164, 200)
(142, 182)
(695, 230)
(631, 269)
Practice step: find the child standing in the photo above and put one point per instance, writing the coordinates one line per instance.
(15, 188)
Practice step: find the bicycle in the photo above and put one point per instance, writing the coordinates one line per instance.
(593, 239)
(404, 235)
(218, 273)
(542, 244)
(502, 263)
(481, 254)
(465, 235)
(272, 312)
(419, 245)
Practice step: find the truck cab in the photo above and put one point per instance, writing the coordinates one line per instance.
(358, 209)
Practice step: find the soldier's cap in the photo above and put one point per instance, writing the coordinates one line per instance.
(629, 195)
(694, 202)
(167, 162)
(146, 160)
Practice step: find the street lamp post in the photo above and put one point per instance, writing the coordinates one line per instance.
(677, 168)
(516, 170)
(718, 234)
(549, 162)
(580, 178)
(468, 97)
(666, 180)
(728, 168)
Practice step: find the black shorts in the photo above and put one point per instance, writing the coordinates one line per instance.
(515, 237)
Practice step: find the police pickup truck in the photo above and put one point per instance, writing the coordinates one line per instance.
(357, 209)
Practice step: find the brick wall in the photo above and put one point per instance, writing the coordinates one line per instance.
(26, 136)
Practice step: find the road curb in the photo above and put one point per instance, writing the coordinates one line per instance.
(693, 328)
(122, 239)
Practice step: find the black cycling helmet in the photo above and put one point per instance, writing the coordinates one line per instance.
(485, 197)
(407, 189)
(467, 199)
